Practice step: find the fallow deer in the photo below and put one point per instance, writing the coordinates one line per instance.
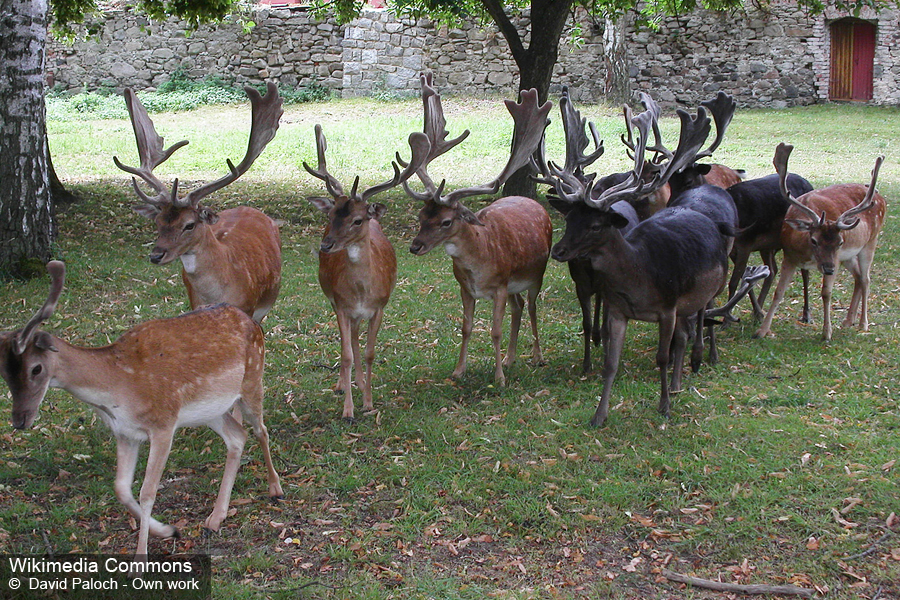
(357, 264)
(233, 256)
(499, 252)
(824, 227)
(161, 375)
(665, 270)
(761, 209)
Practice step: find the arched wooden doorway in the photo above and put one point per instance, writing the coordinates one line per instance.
(852, 60)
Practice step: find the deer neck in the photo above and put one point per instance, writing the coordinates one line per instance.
(616, 259)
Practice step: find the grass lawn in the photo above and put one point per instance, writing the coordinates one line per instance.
(778, 465)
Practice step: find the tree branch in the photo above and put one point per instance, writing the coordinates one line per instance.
(509, 31)
(718, 586)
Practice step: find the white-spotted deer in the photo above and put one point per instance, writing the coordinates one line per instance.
(161, 375)
(233, 256)
(824, 227)
(357, 264)
(499, 252)
(664, 270)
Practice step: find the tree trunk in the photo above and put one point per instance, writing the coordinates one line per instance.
(618, 85)
(25, 210)
(536, 66)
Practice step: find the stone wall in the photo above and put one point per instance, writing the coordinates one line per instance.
(774, 58)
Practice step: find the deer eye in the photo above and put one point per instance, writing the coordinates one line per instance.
(190, 226)
(36, 370)
(446, 223)
(357, 222)
(813, 241)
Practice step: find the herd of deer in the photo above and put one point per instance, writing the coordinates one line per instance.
(650, 244)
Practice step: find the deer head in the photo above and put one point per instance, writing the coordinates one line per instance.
(28, 356)
(180, 221)
(826, 236)
(349, 214)
(443, 215)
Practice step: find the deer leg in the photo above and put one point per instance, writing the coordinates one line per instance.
(500, 296)
(598, 333)
(160, 445)
(584, 300)
(516, 305)
(678, 347)
(234, 437)
(252, 404)
(536, 356)
(468, 302)
(768, 259)
(804, 316)
(784, 280)
(696, 348)
(711, 331)
(346, 364)
(666, 333)
(827, 285)
(371, 338)
(617, 325)
(359, 373)
(126, 461)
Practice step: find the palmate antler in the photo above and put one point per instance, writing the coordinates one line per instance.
(530, 121)
(267, 111)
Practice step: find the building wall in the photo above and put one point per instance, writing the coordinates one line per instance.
(773, 58)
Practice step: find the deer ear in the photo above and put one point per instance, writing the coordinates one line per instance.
(146, 210)
(208, 216)
(376, 210)
(323, 204)
(616, 220)
(799, 224)
(561, 205)
(703, 168)
(43, 341)
(468, 216)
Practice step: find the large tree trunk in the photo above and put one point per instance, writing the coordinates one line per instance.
(25, 210)
(536, 62)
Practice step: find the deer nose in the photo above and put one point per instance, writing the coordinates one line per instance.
(827, 269)
(326, 246)
(157, 255)
(416, 247)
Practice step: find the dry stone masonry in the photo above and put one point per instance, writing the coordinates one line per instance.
(775, 57)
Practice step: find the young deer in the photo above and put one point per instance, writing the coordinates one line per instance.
(233, 256)
(836, 224)
(357, 264)
(499, 252)
(665, 270)
(161, 375)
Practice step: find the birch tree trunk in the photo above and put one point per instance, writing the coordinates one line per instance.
(25, 207)
(618, 86)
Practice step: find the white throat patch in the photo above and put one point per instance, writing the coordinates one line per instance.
(353, 252)
(451, 248)
(189, 261)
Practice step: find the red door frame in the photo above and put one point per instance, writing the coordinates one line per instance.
(852, 60)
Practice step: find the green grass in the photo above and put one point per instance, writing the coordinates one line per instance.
(459, 490)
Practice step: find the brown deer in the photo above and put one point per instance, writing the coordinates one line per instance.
(233, 256)
(161, 375)
(357, 264)
(824, 227)
(499, 252)
(665, 269)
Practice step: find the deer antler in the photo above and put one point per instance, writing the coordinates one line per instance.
(57, 272)
(780, 161)
(150, 150)
(418, 143)
(722, 108)
(267, 111)
(849, 220)
(530, 122)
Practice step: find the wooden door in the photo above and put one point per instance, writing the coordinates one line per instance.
(852, 60)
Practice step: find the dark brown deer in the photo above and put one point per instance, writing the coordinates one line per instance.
(824, 227)
(357, 264)
(233, 256)
(588, 282)
(499, 252)
(665, 270)
(159, 376)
